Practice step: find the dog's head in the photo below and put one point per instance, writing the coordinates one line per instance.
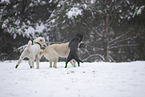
(79, 36)
(40, 40)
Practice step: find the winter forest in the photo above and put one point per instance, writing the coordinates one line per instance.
(113, 30)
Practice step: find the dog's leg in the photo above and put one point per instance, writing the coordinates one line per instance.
(20, 59)
(50, 61)
(66, 64)
(68, 59)
(78, 61)
(73, 63)
(78, 64)
(55, 62)
(37, 62)
(30, 63)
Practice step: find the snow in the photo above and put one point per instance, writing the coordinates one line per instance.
(5, 1)
(97, 79)
(85, 6)
(140, 10)
(74, 12)
(93, 1)
(39, 29)
(28, 30)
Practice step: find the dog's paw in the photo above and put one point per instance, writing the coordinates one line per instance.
(16, 66)
(37, 67)
(50, 66)
(31, 67)
(54, 67)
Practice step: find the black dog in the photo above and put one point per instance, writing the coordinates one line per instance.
(73, 45)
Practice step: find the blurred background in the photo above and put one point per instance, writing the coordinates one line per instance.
(114, 30)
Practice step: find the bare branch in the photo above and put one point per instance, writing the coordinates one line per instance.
(99, 11)
(97, 48)
(93, 29)
(123, 46)
(94, 55)
(111, 58)
(92, 12)
(122, 40)
(118, 37)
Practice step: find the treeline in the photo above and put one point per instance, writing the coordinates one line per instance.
(113, 29)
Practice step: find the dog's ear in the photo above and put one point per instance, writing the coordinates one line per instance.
(34, 41)
(81, 37)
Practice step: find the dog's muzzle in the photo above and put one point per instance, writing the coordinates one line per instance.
(82, 45)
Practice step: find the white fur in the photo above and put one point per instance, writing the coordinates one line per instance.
(32, 51)
(54, 51)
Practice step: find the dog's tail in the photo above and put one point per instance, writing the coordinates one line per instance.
(29, 44)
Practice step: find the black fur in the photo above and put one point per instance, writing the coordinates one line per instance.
(73, 45)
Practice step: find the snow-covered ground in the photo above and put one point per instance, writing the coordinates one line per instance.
(97, 79)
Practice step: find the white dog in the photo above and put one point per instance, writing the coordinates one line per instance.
(54, 51)
(32, 51)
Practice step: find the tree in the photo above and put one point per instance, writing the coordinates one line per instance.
(98, 20)
(61, 24)
(17, 17)
(106, 24)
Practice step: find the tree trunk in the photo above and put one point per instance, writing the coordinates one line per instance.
(105, 41)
